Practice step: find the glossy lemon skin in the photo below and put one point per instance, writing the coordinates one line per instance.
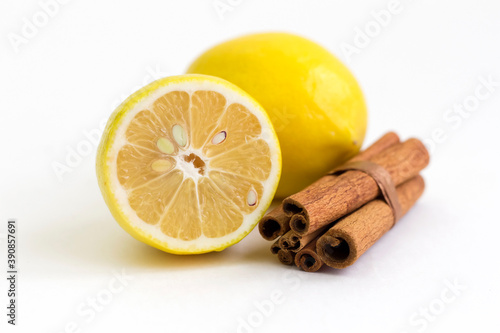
(314, 102)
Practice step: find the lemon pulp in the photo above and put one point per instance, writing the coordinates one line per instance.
(189, 164)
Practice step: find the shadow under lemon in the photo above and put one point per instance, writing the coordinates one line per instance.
(92, 239)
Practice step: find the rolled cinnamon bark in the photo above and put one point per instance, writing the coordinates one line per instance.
(274, 224)
(285, 241)
(351, 236)
(275, 247)
(386, 141)
(286, 257)
(298, 242)
(307, 259)
(277, 222)
(352, 189)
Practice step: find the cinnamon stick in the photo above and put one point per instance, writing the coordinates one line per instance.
(277, 222)
(286, 257)
(386, 141)
(274, 224)
(275, 247)
(298, 242)
(307, 259)
(352, 189)
(285, 241)
(351, 236)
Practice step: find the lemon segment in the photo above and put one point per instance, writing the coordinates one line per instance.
(241, 125)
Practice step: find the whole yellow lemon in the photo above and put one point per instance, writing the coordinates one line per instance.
(314, 102)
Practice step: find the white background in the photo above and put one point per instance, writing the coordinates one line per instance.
(68, 76)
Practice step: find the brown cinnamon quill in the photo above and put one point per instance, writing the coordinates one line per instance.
(295, 242)
(286, 257)
(274, 224)
(285, 241)
(275, 247)
(277, 222)
(352, 235)
(387, 140)
(352, 189)
(307, 259)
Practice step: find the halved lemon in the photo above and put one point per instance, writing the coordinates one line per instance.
(189, 164)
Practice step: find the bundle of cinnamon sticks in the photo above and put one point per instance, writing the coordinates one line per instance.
(340, 216)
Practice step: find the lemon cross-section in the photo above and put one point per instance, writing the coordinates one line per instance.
(189, 164)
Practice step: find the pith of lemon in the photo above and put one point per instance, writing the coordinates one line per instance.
(316, 105)
(189, 164)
